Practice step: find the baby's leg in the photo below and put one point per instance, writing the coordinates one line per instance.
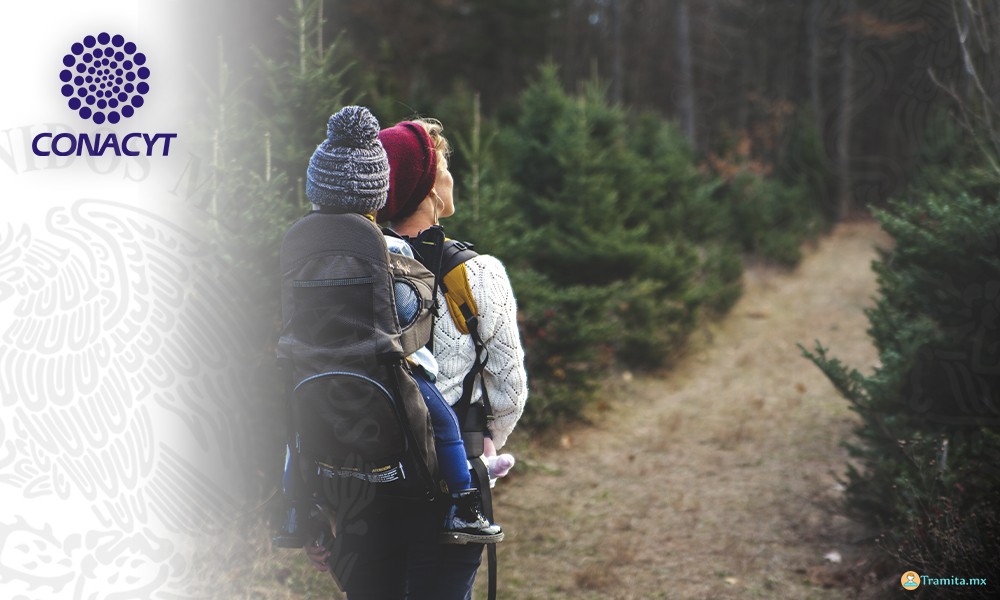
(447, 437)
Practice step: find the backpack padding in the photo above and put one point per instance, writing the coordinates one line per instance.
(458, 295)
(457, 291)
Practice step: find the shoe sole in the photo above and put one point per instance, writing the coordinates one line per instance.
(469, 538)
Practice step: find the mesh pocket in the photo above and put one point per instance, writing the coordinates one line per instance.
(334, 312)
(407, 302)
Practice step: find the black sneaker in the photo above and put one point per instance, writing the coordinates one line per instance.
(465, 522)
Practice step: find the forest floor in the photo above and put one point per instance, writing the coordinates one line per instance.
(716, 479)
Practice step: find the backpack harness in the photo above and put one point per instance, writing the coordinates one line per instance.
(446, 258)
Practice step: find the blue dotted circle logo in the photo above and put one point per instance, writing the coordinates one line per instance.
(104, 78)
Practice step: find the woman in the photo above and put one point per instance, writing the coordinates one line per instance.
(394, 551)
(421, 191)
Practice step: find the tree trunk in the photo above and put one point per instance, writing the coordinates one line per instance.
(685, 91)
(844, 192)
(617, 70)
(815, 65)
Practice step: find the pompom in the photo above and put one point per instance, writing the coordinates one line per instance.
(353, 127)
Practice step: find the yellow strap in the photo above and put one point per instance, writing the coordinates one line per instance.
(456, 282)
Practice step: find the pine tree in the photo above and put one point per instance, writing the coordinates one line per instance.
(603, 274)
(301, 92)
(929, 435)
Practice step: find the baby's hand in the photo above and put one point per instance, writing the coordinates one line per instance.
(499, 465)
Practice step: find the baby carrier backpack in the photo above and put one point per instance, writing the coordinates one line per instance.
(355, 417)
(354, 413)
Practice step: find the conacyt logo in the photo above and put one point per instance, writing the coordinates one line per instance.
(105, 79)
(104, 73)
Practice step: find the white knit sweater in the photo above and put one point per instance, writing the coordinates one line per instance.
(506, 381)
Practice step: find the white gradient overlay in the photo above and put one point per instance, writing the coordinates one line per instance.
(119, 368)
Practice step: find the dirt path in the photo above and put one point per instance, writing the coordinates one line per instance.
(716, 480)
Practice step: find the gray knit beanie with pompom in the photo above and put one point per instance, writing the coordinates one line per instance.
(349, 171)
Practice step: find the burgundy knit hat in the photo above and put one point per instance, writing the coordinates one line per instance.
(412, 169)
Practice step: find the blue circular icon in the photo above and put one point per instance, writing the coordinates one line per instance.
(110, 74)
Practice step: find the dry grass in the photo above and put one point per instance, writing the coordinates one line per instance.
(243, 565)
(715, 480)
(711, 481)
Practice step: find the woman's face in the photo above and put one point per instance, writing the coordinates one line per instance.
(444, 186)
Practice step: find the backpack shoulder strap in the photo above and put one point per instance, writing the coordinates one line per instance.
(446, 258)
(455, 283)
(465, 314)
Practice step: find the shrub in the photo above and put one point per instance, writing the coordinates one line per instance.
(772, 219)
(929, 435)
(588, 209)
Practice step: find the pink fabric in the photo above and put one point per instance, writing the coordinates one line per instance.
(412, 169)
